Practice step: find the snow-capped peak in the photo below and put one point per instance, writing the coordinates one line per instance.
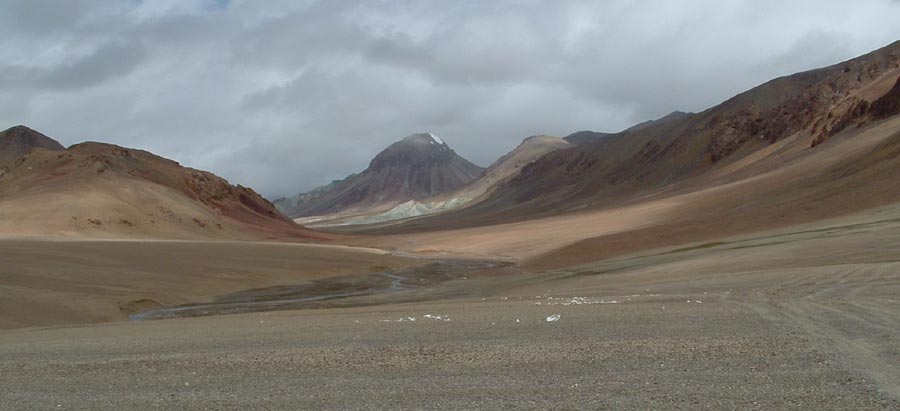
(436, 139)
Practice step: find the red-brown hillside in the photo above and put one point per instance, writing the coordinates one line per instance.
(99, 189)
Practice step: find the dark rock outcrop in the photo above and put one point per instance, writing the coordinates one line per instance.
(887, 105)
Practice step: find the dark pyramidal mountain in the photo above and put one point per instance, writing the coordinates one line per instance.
(19, 140)
(416, 167)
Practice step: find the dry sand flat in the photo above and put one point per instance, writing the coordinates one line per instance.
(796, 318)
(64, 281)
(526, 239)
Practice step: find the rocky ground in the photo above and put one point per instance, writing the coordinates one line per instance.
(649, 352)
(804, 319)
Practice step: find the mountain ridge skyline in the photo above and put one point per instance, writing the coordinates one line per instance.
(244, 93)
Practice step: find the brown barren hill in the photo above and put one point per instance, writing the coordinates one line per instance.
(102, 190)
(508, 166)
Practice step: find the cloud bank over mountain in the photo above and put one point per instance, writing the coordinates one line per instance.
(285, 95)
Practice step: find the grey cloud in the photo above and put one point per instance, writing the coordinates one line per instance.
(284, 95)
(109, 61)
(481, 50)
(42, 17)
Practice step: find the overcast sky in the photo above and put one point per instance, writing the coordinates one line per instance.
(286, 95)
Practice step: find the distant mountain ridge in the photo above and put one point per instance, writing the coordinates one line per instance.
(501, 171)
(418, 166)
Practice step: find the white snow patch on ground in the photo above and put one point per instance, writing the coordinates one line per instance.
(402, 319)
(553, 318)
(589, 300)
(575, 301)
(412, 319)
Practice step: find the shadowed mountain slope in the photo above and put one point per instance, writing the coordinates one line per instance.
(584, 137)
(415, 168)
